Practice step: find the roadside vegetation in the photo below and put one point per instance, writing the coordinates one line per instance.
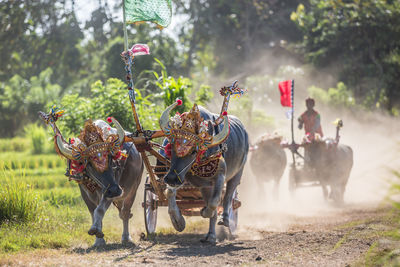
(386, 250)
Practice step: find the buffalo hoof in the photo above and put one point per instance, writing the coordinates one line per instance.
(126, 240)
(224, 220)
(210, 238)
(95, 231)
(178, 223)
(99, 242)
(206, 212)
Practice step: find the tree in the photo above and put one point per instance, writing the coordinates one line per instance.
(239, 32)
(360, 38)
(21, 99)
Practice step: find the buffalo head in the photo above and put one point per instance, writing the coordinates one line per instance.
(190, 136)
(93, 153)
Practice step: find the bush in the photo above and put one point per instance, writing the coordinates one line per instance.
(18, 201)
(16, 144)
(339, 96)
(37, 135)
(109, 99)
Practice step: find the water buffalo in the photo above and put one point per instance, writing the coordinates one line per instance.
(195, 139)
(332, 164)
(268, 161)
(104, 175)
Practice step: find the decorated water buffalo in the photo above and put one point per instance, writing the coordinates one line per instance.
(208, 151)
(332, 164)
(326, 163)
(106, 169)
(268, 161)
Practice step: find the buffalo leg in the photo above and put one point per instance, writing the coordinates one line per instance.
(174, 212)
(213, 201)
(98, 215)
(125, 215)
(211, 236)
(231, 186)
(325, 191)
(91, 207)
(276, 189)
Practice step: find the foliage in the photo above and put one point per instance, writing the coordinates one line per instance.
(36, 35)
(109, 99)
(239, 33)
(21, 99)
(37, 135)
(252, 117)
(204, 95)
(181, 88)
(357, 37)
(173, 89)
(62, 197)
(18, 144)
(18, 201)
(339, 96)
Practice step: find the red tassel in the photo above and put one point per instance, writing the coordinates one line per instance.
(109, 119)
(179, 102)
(224, 113)
(167, 150)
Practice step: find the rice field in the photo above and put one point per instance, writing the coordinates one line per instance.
(54, 214)
(39, 207)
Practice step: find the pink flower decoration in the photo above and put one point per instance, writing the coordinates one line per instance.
(140, 49)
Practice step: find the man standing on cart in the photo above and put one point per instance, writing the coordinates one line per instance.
(311, 120)
(312, 126)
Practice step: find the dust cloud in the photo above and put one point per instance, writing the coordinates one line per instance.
(373, 136)
(375, 142)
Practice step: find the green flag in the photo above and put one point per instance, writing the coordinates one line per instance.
(157, 11)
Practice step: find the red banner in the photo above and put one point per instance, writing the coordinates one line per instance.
(286, 93)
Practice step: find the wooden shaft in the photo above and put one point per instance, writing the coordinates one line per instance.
(135, 116)
(160, 157)
(142, 140)
(153, 180)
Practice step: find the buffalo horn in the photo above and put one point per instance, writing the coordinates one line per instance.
(164, 119)
(120, 130)
(219, 138)
(64, 149)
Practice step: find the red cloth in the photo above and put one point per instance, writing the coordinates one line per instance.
(286, 93)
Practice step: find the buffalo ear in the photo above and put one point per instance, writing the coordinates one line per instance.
(210, 129)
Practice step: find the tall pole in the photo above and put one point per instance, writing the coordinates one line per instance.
(128, 68)
(292, 117)
(125, 30)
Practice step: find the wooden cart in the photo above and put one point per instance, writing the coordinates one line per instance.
(188, 197)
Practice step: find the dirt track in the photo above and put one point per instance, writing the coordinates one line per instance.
(335, 239)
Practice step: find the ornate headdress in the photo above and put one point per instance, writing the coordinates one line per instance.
(93, 144)
(189, 131)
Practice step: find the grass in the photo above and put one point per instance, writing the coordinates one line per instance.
(58, 217)
(18, 201)
(24, 160)
(16, 144)
(39, 207)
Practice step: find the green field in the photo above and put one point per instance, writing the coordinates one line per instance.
(46, 209)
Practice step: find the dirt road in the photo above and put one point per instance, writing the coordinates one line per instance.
(340, 238)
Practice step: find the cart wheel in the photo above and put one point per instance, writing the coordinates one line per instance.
(292, 181)
(233, 217)
(150, 210)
